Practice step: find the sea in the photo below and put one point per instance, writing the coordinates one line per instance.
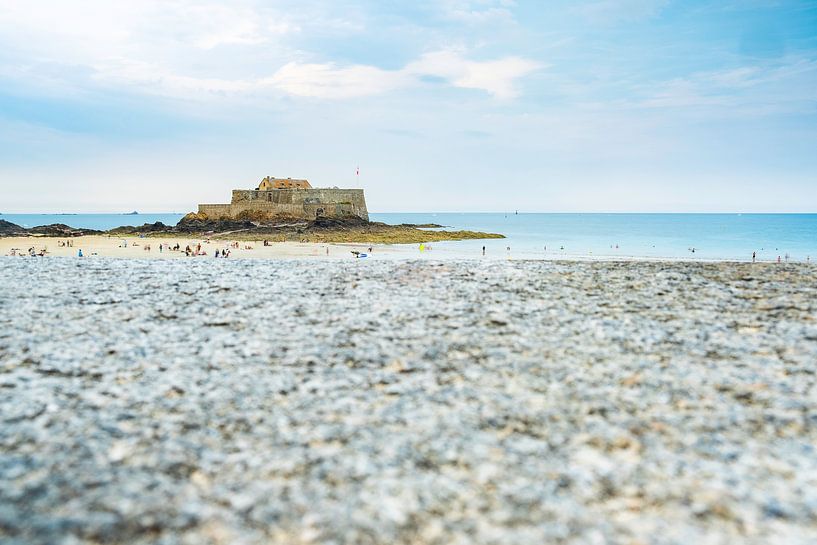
(790, 237)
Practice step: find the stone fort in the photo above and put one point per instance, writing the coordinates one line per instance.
(290, 197)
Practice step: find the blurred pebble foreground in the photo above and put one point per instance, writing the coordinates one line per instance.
(368, 402)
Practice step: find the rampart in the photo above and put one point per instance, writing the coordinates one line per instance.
(298, 203)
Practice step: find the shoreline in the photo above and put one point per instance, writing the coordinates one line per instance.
(107, 246)
(249, 229)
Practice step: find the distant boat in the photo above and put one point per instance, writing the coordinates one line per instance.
(134, 213)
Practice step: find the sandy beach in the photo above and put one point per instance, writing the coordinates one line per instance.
(388, 402)
(133, 247)
(105, 246)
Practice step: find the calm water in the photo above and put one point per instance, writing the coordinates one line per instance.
(714, 236)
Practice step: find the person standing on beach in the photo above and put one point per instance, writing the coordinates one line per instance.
(754, 255)
(483, 250)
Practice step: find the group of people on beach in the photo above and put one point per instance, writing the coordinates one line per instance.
(780, 259)
(190, 250)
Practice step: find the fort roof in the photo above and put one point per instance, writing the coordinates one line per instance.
(271, 182)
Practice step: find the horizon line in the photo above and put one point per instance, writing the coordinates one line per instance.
(506, 212)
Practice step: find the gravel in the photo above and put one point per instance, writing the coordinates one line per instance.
(368, 402)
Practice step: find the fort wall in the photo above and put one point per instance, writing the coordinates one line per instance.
(298, 203)
(215, 211)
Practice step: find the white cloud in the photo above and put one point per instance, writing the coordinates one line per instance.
(152, 79)
(174, 48)
(496, 77)
(747, 90)
(478, 11)
(330, 81)
(212, 25)
(86, 28)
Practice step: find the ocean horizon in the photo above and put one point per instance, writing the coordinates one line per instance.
(715, 236)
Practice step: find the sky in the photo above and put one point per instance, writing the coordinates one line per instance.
(446, 105)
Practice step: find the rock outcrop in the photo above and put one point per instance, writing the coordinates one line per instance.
(60, 230)
(8, 229)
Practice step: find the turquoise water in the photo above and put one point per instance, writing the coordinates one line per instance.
(714, 236)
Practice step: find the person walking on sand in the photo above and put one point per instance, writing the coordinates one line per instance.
(483, 250)
(754, 255)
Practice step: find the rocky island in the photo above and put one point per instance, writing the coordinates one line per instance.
(277, 210)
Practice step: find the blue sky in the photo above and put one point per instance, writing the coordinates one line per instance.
(448, 105)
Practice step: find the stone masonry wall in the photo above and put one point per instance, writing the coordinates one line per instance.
(215, 210)
(301, 203)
